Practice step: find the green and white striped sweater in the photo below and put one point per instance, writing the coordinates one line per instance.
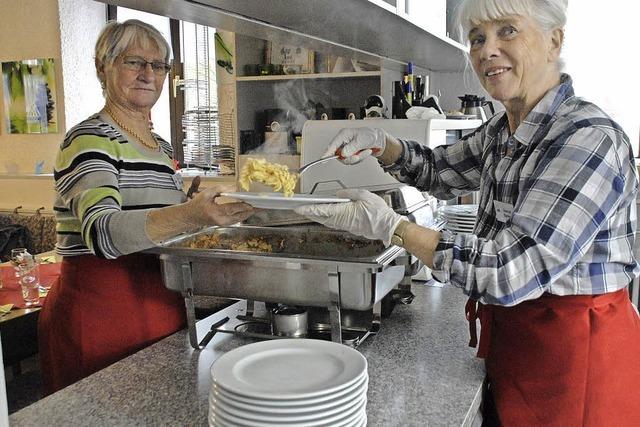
(105, 187)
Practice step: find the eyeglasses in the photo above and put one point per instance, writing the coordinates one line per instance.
(135, 63)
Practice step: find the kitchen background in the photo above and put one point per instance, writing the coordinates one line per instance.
(598, 52)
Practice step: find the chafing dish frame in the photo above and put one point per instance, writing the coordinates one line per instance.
(350, 282)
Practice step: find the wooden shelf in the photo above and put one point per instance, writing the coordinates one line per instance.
(354, 74)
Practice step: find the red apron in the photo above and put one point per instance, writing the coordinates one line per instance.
(100, 311)
(562, 360)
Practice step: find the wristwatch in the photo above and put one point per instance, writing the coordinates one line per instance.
(398, 234)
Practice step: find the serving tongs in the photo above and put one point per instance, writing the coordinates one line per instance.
(324, 159)
(315, 162)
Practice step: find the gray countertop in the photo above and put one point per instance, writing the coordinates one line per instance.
(421, 372)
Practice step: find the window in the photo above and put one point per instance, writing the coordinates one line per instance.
(160, 112)
(599, 52)
(187, 112)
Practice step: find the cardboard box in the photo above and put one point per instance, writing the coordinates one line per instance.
(292, 58)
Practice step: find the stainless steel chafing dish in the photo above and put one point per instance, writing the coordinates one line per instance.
(309, 266)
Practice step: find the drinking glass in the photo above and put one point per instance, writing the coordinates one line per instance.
(29, 277)
(17, 256)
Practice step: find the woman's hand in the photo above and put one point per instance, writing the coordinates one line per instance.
(366, 215)
(356, 144)
(208, 209)
(205, 208)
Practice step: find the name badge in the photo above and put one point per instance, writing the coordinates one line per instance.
(503, 211)
(178, 181)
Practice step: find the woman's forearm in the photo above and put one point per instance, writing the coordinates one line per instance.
(421, 242)
(170, 221)
(391, 152)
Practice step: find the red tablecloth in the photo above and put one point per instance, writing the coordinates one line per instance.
(10, 292)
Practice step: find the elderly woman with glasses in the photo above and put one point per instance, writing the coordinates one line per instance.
(118, 194)
(551, 255)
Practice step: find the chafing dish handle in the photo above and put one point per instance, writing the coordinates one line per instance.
(212, 332)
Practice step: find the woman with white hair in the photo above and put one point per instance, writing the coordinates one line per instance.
(551, 255)
(117, 194)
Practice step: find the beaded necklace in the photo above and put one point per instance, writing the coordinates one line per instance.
(155, 147)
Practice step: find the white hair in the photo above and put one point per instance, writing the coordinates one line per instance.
(116, 37)
(549, 14)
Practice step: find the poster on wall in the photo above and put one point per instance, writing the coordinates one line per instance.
(30, 96)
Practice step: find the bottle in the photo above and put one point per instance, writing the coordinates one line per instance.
(396, 104)
(409, 92)
(399, 105)
(418, 92)
(405, 83)
(411, 84)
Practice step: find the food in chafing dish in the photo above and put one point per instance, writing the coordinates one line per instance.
(217, 241)
(272, 174)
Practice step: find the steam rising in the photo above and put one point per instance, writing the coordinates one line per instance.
(292, 96)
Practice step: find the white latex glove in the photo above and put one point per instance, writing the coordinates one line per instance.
(366, 215)
(356, 144)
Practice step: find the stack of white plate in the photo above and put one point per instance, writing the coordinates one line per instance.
(289, 382)
(459, 218)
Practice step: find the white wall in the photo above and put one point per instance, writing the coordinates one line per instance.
(30, 29)
(601, 54)
(80, 24)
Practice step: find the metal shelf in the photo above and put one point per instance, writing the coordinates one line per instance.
(317, 76)
(355, 28)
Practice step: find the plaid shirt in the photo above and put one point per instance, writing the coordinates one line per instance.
(569, 174)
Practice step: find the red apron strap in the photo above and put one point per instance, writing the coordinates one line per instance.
(475, 310)
(471, 313)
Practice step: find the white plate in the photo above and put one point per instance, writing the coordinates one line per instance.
(355, 387)
(280, 201)
(460, 223)
(257, 416)
(461, 214)
(343, 419)
(290, 411)
(290, 407)
(469, 220)
(459, 230)
(288, 369)
(460, 209)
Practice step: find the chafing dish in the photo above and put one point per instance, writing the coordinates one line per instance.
(308, 266)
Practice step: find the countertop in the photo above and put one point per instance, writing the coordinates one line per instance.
(421, 373)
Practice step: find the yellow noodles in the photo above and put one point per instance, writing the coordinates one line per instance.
(272, 174)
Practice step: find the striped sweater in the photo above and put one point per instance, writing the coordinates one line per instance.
(105, 187)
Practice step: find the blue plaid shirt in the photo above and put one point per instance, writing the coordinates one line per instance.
(568, 172)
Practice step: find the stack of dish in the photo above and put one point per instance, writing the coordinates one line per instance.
(289, 382)
(459, 218)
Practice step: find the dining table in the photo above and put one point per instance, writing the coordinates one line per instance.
(19, 324)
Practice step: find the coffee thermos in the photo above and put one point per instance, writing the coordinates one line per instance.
(473, 105)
